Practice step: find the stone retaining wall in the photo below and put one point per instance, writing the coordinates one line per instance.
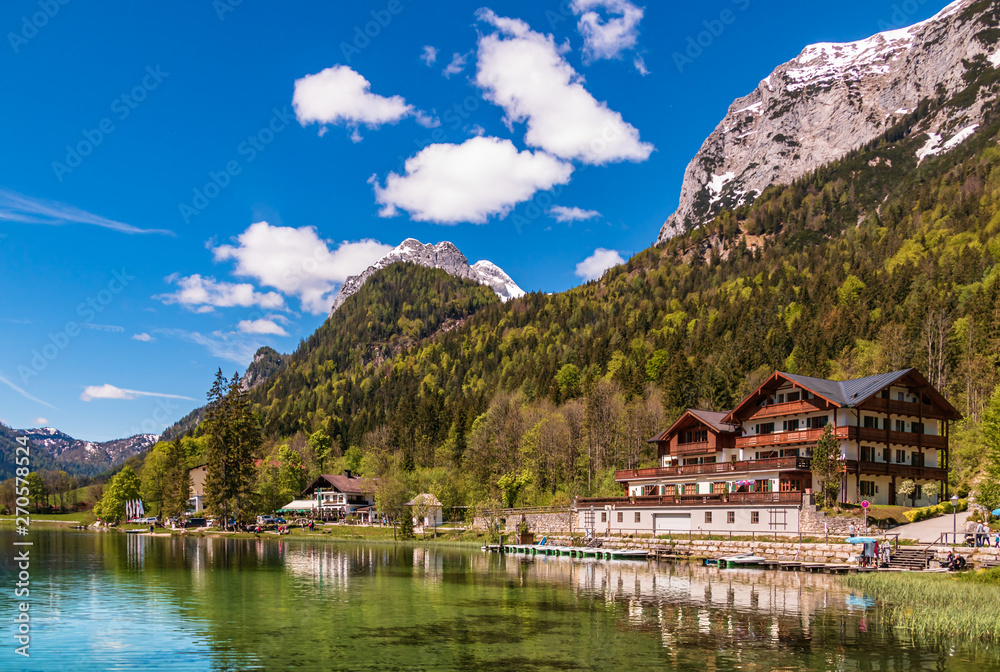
(542, 524)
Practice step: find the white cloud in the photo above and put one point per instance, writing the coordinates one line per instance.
(297, 262)
(607, 37)
(563, 214)
(261, 326)
(525, 73)
(41, 422)
(203, 294)
(113, 328)
(339, 95)
(111, 392)
(640, 65)
(456, 66)
(483, 176)
(15, 207)
(144, 337)
(429, 55)
(596, 264)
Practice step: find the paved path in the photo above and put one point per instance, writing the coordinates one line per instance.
(929, 530)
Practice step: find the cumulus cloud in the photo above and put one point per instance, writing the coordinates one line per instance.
(607, 37)
(562, 214)
(106, 391)
(429, 55)
(15, 207)
(594, 266)
(456, 66)
(144, 337)
(261, 326)
(525, 73)
(483, 176)
(341, 96)
(204, 294)
(297, 262)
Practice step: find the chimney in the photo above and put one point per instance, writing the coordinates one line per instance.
(347, 473)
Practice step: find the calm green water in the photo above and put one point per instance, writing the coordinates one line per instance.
(124, 602)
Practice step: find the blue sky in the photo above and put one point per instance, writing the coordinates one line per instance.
(184, 182)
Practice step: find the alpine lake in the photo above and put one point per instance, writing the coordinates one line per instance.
(113, 601)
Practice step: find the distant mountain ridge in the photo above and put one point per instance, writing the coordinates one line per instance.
(443, 255)
(834, 98)
(84, 457)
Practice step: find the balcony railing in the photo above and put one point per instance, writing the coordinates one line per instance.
(775, 464)
(782, 438)
(697, 448)
(895, 469)
(850, 433)
(693, 500)
(790, 408)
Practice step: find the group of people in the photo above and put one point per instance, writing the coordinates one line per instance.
(955, 562)
(980, 533)
(875, 553)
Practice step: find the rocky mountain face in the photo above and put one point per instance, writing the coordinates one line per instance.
(85, 456)
(834, 98)
(445, 256)
(266, 362)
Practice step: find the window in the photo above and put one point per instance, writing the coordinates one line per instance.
(765, 428)
(638, 517)
(649, 490)
(690, 488)
(918, 492)
(900, 425)
(870, 421)
(867, 488)
(694, 436)
(901, 396)
(604, 516)
(767, 454)
(790, 425)
(718, 488)
(781, 398)
(884, 394)
(916, 459)
(669, 490)
(621, 517)
(755, 517)
(708, 516)
(791, 485)
(917, 427)
(790, 452)
(794, 396)
(730, 517)
(866, 454)
(819, 422)
(900, 456)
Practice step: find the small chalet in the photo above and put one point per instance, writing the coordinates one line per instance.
(342, 495)
(427, 511)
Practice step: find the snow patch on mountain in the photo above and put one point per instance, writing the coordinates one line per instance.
(835, 97)
(443, 255)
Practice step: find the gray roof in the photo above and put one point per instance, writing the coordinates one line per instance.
(712, 419)
(846, 392)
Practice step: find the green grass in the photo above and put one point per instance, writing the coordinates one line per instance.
(936, 607)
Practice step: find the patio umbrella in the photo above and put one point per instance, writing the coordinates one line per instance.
(860, 540)
(996, 512)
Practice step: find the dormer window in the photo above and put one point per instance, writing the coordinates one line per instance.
(794, 396)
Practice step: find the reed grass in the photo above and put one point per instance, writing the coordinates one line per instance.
(935, 607)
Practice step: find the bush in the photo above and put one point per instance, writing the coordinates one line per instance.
(923, 513)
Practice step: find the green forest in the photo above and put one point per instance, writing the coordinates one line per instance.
(870, 264)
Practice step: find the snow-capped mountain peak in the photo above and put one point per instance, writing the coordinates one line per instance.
(835, 97)
(443, 255)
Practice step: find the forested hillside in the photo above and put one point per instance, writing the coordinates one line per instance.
(870, 264)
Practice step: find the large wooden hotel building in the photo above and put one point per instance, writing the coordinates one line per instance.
(754, 461)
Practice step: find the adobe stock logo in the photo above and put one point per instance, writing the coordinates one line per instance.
(31, 25)
(698, 43)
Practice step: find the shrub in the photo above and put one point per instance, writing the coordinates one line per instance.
(923, 513)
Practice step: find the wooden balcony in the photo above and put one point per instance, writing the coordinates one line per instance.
(870, 434)
(730, 468)
(899, 470)
(698, 448)
(692, 500)
(874, 435)
(790, 408)
(785, 438)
